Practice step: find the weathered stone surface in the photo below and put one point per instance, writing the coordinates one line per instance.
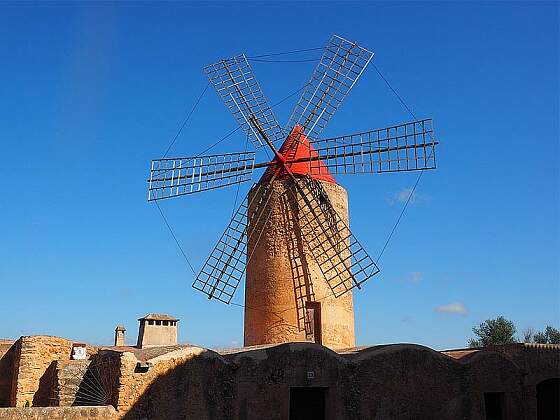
(401, 381)
(7, 362)
(34, 369)
(58, 413)
(282, 276)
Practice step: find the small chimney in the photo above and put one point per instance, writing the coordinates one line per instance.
(119, 335)
(157, 330)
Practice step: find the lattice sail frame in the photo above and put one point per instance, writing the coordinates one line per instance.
(238, 87)
(341, 258)
(224, 268)
(341, 65)
(180, 176)
(399, 148)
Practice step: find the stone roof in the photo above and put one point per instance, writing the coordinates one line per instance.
(158, 317)
(120, 328)
(460, 353)
(148, 353)
(542, 346)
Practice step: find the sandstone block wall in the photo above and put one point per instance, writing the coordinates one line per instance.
(136, 381)
(385, 382)
(58, 413)
(34, 376)
(7, 361)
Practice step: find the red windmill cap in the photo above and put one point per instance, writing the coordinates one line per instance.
(295, 147)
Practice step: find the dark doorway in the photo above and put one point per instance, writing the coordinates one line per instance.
(548, 399)
(494, 405)
(313, 322)
(307, 403)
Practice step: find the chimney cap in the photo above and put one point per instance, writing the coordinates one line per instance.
(120, 328)
(158, 317)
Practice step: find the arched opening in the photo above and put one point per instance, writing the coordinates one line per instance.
(548, 399)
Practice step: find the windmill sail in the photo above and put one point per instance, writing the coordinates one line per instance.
(343, 261)
(341, 64)
(236, 84)
(180, 176)
(405, 147)
(224, 268)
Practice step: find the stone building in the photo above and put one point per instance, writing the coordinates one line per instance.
(157, 330)
(280, 382)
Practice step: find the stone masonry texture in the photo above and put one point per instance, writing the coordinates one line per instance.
(399, 381)
(58, 413)
(282, 276)
(34, 368)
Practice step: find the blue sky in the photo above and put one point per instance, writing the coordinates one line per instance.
(90, 93)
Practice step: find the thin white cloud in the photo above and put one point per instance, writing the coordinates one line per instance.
(415, 277)
(455, 308)
(402, 196)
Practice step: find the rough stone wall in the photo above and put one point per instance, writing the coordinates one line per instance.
(407, 382)
(282, 276)
(156, 335)
(539, 362)
(264, 378)
(34, 376)
(384, 382)
(58, 413)
(7, 361)
(88, 382)
(186, 383)
(69, 375)
(401, 381)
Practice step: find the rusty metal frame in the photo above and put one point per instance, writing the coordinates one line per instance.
(180, 176)
(341, 65)
(224, 268)
(399, 148)
(240, 91)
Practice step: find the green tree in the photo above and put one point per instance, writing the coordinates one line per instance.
(549, 336)
(553, 335)
(492, 332)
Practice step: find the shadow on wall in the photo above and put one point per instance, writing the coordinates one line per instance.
(7, 361)
(303, 286)
(45, 395)
(548, 399)
(200, 388)
(92, 382)
(394, 381)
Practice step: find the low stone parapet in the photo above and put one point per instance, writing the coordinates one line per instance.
(58, 413)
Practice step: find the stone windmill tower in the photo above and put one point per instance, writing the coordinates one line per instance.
(283, 276)
(290, 235)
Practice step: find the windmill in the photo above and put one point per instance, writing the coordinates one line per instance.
(290, 234)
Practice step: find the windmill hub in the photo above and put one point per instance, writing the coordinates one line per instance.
(296, 151)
